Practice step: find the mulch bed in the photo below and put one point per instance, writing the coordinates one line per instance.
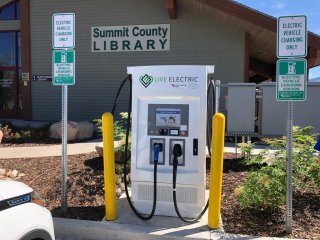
(86, 196)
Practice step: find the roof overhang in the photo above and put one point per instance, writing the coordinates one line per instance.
(261, 29)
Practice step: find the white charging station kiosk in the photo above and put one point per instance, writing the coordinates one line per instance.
(169, 106)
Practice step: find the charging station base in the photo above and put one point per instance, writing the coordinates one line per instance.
(190, 199)
(161, 227)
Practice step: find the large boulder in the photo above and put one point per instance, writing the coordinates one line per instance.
(85, 130)
(99, 150)
(72, 128)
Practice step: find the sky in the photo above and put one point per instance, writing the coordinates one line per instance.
(277, 8)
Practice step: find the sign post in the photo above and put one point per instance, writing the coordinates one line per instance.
(63, 73)
(292, 41)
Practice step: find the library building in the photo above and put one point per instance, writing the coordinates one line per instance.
(112, 35)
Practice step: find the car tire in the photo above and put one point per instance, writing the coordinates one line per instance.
(38, 234)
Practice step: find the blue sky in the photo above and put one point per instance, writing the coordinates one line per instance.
(277, 8)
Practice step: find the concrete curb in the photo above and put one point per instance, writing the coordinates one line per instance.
(93, 230)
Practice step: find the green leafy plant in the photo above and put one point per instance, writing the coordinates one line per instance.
(246, 149)
(119, 130)
(19, 135)
(266, 187)
(7, 131)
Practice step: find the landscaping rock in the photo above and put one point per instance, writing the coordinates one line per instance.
(9, 173)
(85, 130)
(1, 136)
(99, 150)
(55, 130)
(21, 175)
(14, 174)
(3, 172)
(118, 180)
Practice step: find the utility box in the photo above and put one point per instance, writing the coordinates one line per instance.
(274, 114)
(241, 109)
(169, 106)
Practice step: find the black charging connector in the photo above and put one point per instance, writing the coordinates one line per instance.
(177, 152)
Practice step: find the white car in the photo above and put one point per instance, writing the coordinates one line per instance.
(22, 214)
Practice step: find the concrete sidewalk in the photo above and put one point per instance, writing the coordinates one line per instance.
(47, 150)
(129, 226)
(80, 148)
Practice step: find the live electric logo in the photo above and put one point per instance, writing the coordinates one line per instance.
(146, 80)
(173, 81)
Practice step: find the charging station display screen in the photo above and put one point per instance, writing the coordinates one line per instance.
(168, 117)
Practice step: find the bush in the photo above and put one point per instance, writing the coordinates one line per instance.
(246, 149)
(11, 134)
(119, 130)
(266, 187)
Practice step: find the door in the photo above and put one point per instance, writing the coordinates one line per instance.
(9, 66)
(8, 93)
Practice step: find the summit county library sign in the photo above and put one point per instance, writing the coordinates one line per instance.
(130, 38)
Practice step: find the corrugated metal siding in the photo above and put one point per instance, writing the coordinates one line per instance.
(194, 40)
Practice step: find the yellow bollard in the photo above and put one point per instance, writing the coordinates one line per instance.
(109, 167)
(216, 170)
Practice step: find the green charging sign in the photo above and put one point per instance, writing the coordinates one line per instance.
(63, 67)
(291, 80)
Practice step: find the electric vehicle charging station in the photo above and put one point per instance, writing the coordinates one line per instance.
(169, 107)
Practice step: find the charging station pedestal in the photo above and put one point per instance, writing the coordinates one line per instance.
(169, 106)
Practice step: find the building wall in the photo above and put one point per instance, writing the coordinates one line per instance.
(195, 40)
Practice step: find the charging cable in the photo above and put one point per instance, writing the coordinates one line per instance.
(210, 111)
(177, 152)
(157, 149)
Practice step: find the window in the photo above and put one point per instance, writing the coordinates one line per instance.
(7, 49)
(10, 11)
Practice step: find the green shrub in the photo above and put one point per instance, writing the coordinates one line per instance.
(119, 130)
(23, 134)
(266, 187)
(7, 131)
(246, 149)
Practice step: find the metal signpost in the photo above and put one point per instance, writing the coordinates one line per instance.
(63, 73)
(291, 83)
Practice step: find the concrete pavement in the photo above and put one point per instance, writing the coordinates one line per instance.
(129, 226)
(79, 148)
(46, 150)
